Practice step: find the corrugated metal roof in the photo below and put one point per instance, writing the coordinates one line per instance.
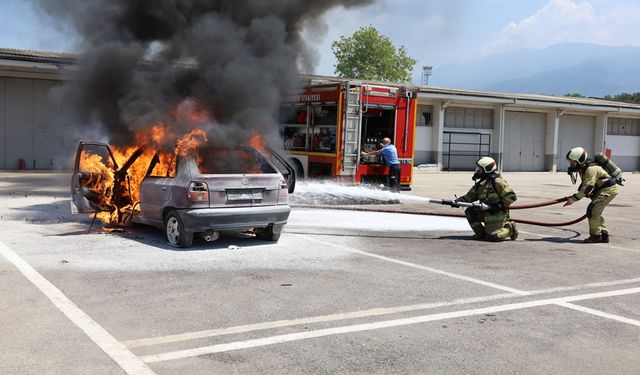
(30, 55)
(532, 97)
(499, 97)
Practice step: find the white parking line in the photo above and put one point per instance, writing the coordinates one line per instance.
(585, 286)
(418, 266)
(128, 361)
(180, 354)
(355, 315)
(309, 320)
(599, 313)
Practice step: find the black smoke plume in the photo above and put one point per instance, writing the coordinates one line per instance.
(232, 58)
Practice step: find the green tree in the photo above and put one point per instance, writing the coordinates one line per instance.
(574, 95)
(368, 55)
(625, 97)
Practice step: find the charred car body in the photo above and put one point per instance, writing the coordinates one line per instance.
(207, 191)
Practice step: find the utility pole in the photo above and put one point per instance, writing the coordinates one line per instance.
(426, 72)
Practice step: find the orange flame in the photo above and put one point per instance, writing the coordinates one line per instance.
(257, 142)
(119, 194)
(97, 178)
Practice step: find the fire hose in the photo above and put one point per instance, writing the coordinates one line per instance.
(485, 207)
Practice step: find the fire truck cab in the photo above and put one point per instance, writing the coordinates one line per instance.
(327, 125)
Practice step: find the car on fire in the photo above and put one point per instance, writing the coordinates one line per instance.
(206, 192)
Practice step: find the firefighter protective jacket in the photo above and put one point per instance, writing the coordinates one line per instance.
(496, 194)
(594, 180)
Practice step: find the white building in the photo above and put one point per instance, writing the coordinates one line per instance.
(522, 132)
(454, 127)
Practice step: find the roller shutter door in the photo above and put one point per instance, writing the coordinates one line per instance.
(575, 131)
(19, 122)
(524, 141)
(31, 125)
(3, 143)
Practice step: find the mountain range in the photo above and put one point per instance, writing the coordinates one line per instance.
(588, 69)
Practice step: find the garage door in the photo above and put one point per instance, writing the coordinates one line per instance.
(574, 131)
(19, 122)
(3, 147)
(31, 125)
(524, 138)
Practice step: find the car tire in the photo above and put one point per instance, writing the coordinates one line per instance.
(175, 232)
(270, 233)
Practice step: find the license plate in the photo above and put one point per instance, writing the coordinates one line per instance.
(244, 195)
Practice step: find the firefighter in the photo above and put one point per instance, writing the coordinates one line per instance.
(596, 184)
(491, 189)
(389, 154)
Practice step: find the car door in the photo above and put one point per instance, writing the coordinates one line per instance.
(93, 178)
(155, 191)
(287, 171)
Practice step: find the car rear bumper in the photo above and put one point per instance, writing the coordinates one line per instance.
(237, 218)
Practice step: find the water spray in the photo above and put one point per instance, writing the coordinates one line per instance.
(330, 193)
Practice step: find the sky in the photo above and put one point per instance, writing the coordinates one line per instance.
(435, 32)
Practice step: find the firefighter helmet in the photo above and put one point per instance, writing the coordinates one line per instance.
(487, 164)
(484, 168)
(577, 154)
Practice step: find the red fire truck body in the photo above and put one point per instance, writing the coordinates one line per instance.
(326, 126)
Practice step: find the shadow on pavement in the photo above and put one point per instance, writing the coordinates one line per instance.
(571, 239)
(60, 212)
(154, 237)
(466, 237)
(45, 213)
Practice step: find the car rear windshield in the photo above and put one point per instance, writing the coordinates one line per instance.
(221, 161)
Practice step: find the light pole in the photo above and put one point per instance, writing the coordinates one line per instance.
(426, 72)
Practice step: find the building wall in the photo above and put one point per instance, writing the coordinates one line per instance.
(625, 151)
(423, 153)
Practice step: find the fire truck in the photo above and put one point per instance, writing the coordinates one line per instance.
(326, 126)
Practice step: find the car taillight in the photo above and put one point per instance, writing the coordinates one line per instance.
(283, 193)
(198, 191)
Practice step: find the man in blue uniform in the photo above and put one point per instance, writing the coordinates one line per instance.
(389, 154)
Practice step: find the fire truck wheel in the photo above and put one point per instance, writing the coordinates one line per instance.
(268, 233)
(174, 230)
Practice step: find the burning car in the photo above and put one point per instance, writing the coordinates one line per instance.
(203, 190)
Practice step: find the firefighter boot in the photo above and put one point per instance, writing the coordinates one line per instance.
(605, 237)
(513, 229)
(593, 239)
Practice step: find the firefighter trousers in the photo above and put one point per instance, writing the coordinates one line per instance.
(488, 225)
(594, 212)
(393, 179)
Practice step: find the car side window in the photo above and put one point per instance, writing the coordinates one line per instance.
(232, 161)
(165, 166)
(94, 158)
